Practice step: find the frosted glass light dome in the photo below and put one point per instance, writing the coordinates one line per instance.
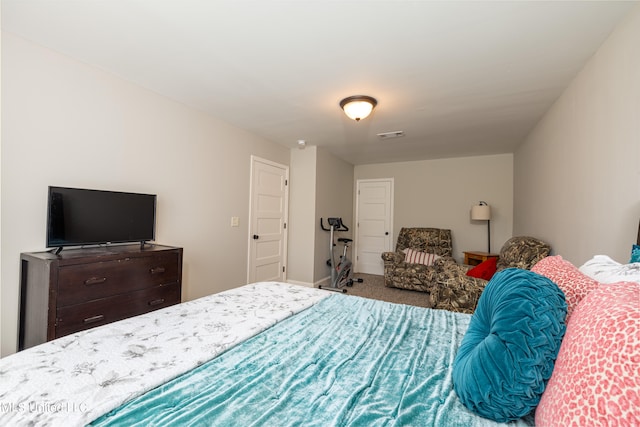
(358, 107)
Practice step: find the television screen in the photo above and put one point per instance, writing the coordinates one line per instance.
(79, 217)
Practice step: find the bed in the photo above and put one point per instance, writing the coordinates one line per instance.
(275, 354)
(262, 354)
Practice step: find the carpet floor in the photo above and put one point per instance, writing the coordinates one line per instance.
(373, 287)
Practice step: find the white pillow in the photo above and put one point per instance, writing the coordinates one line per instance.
(605, 270)
(413, 256)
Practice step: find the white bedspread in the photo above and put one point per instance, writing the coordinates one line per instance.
(75, 379)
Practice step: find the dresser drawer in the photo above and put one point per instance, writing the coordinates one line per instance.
(79, 317)
(86, 282)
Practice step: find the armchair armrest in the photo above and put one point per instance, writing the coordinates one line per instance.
(393, 257)
(456, 291)
(459, 294)
(451, 267)
(445, 262)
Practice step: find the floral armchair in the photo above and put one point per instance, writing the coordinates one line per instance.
(417, 277)
(458, 292)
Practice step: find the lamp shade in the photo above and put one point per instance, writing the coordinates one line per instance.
(481, 212)
(358, 107)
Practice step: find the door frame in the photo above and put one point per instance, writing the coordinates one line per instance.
(356, 262)
(250, 230)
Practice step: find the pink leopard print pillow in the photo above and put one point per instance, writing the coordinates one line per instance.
(569, 279)
(596, 378)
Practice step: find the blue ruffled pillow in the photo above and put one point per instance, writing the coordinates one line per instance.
(635, 254)
(507, 354)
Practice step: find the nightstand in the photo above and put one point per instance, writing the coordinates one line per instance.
(475, 258)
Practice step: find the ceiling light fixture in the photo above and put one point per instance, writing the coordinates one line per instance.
(358, 107)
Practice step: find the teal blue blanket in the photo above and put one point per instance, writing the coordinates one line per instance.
(346, 361)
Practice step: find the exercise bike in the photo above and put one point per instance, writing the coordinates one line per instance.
(340, 271)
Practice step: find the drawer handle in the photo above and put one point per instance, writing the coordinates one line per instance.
(157, 270)
(156, 302)
(93, 319)
(95, 280)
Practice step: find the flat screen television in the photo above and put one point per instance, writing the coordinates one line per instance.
(78, 217)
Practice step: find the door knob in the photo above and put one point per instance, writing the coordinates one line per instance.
(386, 233)
(256, 237)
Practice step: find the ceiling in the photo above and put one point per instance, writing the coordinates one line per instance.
(459, 78)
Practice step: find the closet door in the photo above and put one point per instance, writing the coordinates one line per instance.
(374, 219)
(268, 221)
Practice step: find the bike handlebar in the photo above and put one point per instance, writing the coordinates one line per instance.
(335, 223)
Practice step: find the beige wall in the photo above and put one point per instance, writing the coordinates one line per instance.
(334, 198)
(321, 187)
(577, 175)
(302, 216)
(440, 193)
(68, 124)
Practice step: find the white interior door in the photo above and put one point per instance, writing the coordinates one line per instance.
(268, 221)
(374, 219)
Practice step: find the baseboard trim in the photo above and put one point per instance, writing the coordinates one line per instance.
(322, 282)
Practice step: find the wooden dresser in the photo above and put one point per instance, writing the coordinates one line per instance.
(83, 288)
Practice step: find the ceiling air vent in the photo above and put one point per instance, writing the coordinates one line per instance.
(390, 135)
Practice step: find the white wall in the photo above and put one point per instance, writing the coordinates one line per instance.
(440, 193)
(302, 216)
(321, 187)
(68, 124)
(577, 175)
(334, 198)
